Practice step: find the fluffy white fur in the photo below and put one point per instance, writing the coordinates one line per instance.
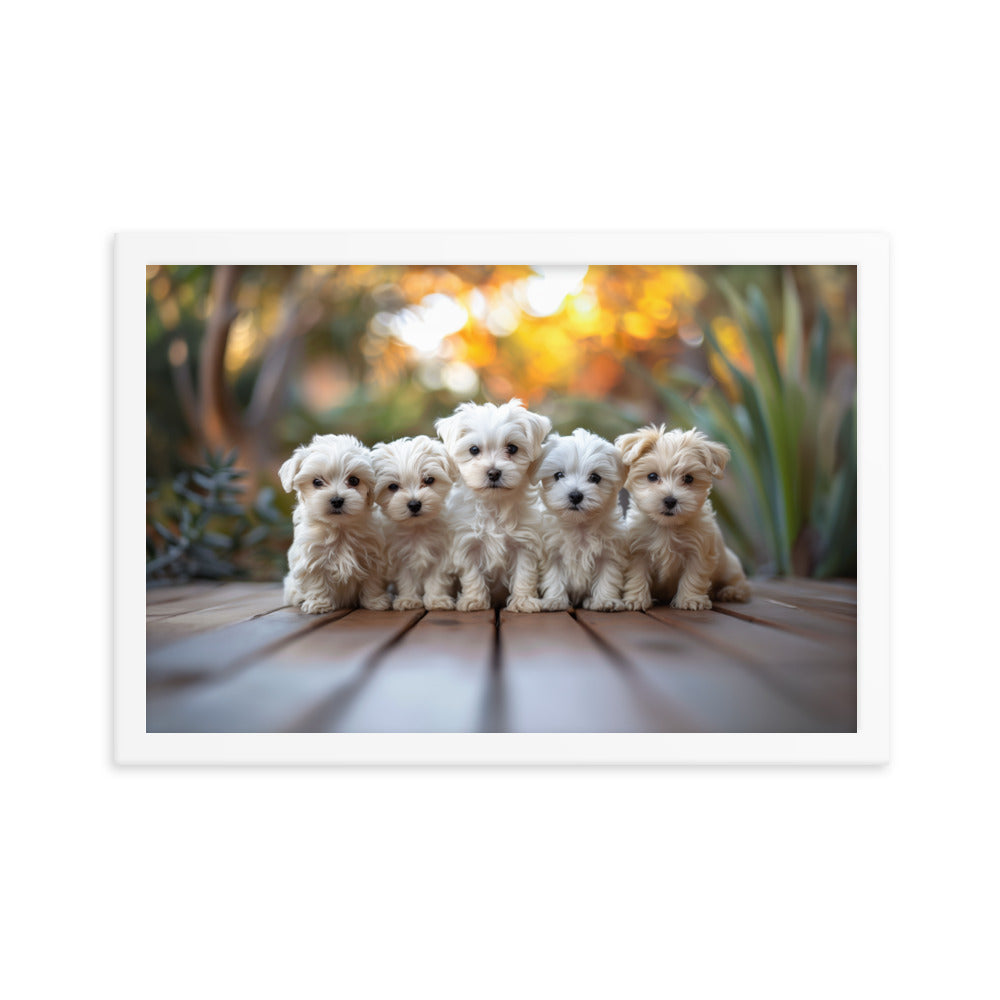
(413, 477)
(676, 551)
(583, 532)
(336, 559)
(496, 523)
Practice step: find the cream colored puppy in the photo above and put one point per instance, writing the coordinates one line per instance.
(676, 551)
(336, 559)
(413, 477)
(497, 526)
(583, 532)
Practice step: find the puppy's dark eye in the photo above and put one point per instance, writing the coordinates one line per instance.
(688, 479)
(653, 477)
(429, 481)
(594, 477)
(317, 483)
(474, 450)
(392, 487)
(559, 475)
(353, 480)
(512, 449)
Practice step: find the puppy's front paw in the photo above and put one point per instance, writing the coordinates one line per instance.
(607, 604)
(440, 603)
(381, 603)
(637, 603)
(524, 605)
(735, 592)
(472, 604)
(407, 603)
(554, 604)
(691, 602)
(317, 606)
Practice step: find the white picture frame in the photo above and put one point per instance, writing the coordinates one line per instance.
(869, 745)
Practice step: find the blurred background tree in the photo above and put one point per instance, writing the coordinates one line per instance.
(258, 359)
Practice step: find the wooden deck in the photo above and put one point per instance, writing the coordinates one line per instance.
(230, 658)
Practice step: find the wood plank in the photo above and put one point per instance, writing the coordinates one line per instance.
(167, 592)
(209, 598)
(798, 594)
(837, 629)
(437, 678)
(836, 588)
(819, 677)
(556, 678)
(213, 653)
(293, 688)
(260, 601)
(716, 691)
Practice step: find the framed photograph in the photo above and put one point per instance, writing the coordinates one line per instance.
(402, 511)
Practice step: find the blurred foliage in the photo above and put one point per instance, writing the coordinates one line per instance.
(197, 526)
(762, 357)
(791, 431)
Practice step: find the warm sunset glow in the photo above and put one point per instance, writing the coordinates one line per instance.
(425, 326)
(543, 294)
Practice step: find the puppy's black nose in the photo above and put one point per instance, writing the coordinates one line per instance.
(336, 502)
(670, 502)
(493, 475)
(575, 497)
(414, 505)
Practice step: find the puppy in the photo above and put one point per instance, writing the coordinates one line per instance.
(336, 559)
(413, 477)
(496, 523)
(583, 532)
(676, 551)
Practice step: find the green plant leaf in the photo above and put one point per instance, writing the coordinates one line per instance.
(791, 308)
(819, 346)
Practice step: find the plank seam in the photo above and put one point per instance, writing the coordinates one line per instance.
(805, 632)
(320, 716)
(757, 668)
(682, 722)
(185, 679)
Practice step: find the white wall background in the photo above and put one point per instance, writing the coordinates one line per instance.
(606, 883)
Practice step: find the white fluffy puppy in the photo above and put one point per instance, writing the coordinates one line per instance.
(676, 551)
(583, 532)
(413, 477)
(336, 559)
(497, 526)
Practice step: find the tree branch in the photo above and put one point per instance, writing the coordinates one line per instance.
(219, 423)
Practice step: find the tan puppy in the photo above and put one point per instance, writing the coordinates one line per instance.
(676, 551)
(413, 477)
(496, 523)
(337, 555)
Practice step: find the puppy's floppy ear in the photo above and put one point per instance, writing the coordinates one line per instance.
(446, 460)
(376, 456)
(719, 454)
(620, 469)
(551, 443)
(717, 457)
(537, 426)
(636, 444)
(369, 475)
(290, 469)
(445, 427)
